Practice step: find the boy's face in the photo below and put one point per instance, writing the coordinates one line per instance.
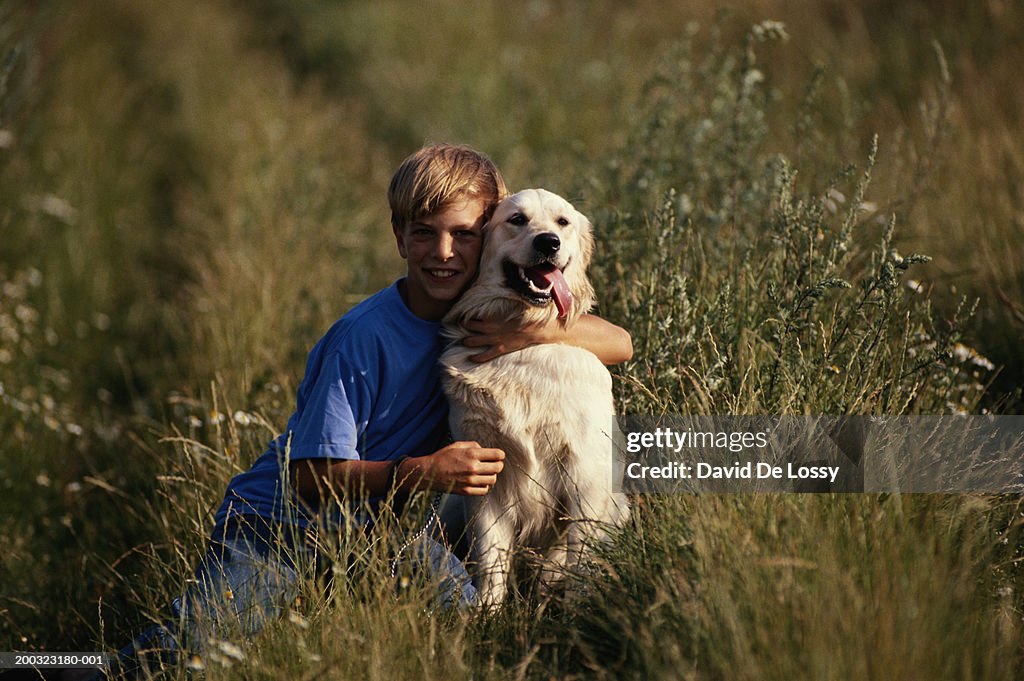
(442, 252)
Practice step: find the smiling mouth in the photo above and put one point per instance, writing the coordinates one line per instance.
(539, 284)
(442, 274)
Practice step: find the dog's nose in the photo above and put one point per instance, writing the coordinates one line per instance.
(547, 243)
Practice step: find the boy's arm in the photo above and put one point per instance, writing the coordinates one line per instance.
(461, 468)
(612, 344)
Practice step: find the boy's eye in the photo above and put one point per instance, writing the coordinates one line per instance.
(518, 220)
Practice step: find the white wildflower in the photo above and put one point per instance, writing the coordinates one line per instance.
(242, 419)
(195, 422)
(751, 78)
(216, 417)
(685, 204)
(915, 286)
(231, 650)
(956, 409)
(55, 207)
(25, 314)
(298, 620)
(768, 29)
(43, 480)
(983, 362)
(961, 352)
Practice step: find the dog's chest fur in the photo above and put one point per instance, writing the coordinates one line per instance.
(538, 404)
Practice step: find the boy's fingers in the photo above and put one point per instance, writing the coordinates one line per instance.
(490, 468)
(485, 327)
(486, 356)
(491, 454)
(477, 491)
(480, 341)
(482, 481)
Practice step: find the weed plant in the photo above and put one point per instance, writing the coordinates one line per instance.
(751, 289)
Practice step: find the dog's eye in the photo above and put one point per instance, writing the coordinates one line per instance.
(518, 220)
(562, 222)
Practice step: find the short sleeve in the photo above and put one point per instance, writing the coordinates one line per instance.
(333, 415)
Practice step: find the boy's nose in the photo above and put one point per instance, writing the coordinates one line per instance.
(444, 247)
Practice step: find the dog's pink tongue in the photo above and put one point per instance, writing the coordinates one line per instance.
(546, 274)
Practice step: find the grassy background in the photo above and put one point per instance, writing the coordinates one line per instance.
(190, 192)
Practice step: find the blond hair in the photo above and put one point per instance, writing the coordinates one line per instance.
(438, 175)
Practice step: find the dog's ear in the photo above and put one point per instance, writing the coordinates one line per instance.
(582, 289)
(487, 243)
(485, 230)
(586, 238)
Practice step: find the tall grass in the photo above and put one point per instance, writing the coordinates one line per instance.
(190, 192)
(751, 288)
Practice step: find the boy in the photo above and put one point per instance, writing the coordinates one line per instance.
(370, 417)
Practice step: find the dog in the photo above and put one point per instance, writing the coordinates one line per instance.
(549, 406)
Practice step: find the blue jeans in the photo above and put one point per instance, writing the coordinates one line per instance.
(246, 580)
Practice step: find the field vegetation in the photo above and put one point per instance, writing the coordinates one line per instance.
(800, 208)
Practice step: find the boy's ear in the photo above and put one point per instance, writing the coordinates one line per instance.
(400, 238)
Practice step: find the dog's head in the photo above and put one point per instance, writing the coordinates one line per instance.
(538, 247)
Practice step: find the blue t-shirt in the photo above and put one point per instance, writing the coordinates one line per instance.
(372, 391)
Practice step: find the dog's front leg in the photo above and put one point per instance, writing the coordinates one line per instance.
(562, 561)
(555, 566)
(493, 530)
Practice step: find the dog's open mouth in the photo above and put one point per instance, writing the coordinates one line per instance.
(540, 284)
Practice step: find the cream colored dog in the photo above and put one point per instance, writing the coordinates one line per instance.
(549, 407)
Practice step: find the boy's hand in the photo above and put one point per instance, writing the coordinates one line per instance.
(460, 468)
